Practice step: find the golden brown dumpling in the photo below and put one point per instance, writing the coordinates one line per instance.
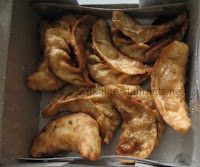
(142, 95)
(144, 33)
(92, 101)
(102, 44)
(81, 31)
(143, 52)
(44, 78)
(57, 41)
(73, 132)
(104, 74)
(167, 82)
(139, 130)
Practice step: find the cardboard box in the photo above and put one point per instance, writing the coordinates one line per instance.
(20, 107)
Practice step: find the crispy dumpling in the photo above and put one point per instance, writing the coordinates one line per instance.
(102, 44)
(139, 130)
(168, 79)
(56, 34)
(70, 19)
(91, 101)
(44, 78)
(73, 132)
(144, 33)
(104, 74)
(76, 34)
(143, 52)
(62, 65)
(81, 31)
(142, 95)
(68, 92)
(57, 40)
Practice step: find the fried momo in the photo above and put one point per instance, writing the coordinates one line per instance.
(142, 95)
(102, 73)
(102, 44)
(67, 92)
(139, 130)
(144, 33)
(63, 66)
(81, 31)
(73, 132)
(146, 53)
(57, 49)
(44, 78)
(52, 35)
(91, 101)
(167, 82)
(59, 34)
(76, 34)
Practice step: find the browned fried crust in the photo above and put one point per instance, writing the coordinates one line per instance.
(85, 100)
(72, 132)
(44, 78)
(143, 33)
(139, 130)
(167, 78)
(57, 40)
(146, 53)
(142, 95)
(104, 74)
(103, 46)
(80, 33)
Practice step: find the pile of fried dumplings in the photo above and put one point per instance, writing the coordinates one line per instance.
(96, 70)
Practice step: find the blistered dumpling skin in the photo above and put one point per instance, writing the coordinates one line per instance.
(167, 82)
(73, 132)
(139, 130)
(57, 40)
(62, 65)
(143, 52)
(67, 32)
(89, 101)
(102, 44)
(143, 33)
(44, 78)
(81, 31)
(142, 95)
(104, 74)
